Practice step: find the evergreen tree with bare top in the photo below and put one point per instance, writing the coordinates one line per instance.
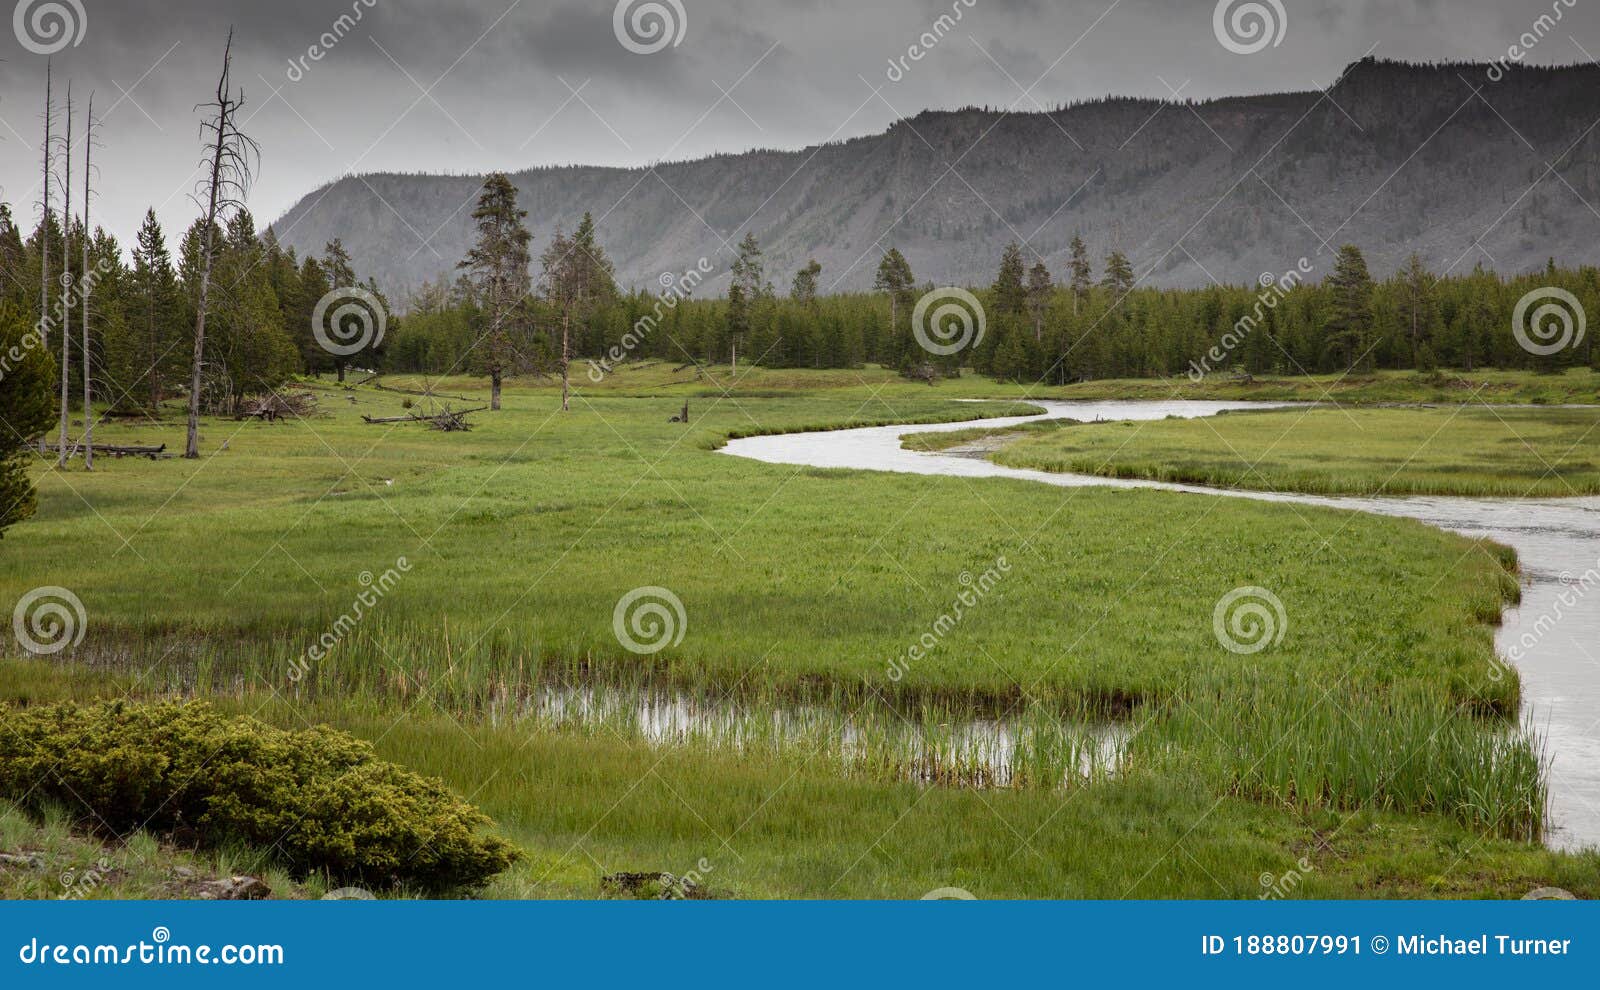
(498, 269)
(577, 277)
(1081, 272)
(894, 277)
(1040, 288)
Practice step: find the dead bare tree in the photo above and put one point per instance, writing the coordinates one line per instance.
(44, 230)
(66, 292)
(227, 166)
(88, 289)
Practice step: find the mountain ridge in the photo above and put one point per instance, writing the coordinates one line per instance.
(1395, 157)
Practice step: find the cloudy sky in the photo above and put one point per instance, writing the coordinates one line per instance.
(473, 85)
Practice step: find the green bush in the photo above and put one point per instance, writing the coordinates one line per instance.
(316, 801)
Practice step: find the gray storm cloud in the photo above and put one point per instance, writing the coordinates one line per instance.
(340, 86)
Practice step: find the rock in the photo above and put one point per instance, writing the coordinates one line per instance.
(183, 873)
(23, 861)
(235, 889)
(652, 887)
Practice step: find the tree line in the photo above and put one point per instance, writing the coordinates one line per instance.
(1091, 320)
(88, 326)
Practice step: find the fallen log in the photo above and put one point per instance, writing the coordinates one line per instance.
(422, 417)
(113, 450)
(276, 406)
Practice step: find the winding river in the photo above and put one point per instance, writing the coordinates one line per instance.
(1554, 635)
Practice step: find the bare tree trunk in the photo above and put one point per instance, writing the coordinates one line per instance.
(88, 287)
(44, 234)
(566, 357)
(66, 295)
(219, 153)
(494, 389)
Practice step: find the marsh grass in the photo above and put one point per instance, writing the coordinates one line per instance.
(1412, 748)
(583, 801)
(214, 578)
(1446, 387)
(1516, 453)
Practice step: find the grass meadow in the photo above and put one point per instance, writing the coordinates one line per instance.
(817, 588)
(1465, 451)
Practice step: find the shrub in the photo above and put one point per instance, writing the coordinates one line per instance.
(317, 801)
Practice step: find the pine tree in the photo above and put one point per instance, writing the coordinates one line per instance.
(13, 258)
(146, 357)
(1119, 277)
(1010, 295)
(805, 283)
(895, 278)
(498, 265)
(1040, 289)
(341, 278)
(314, 285)
(1349, 322)
(1419, 309)
(1082, 274)
(578, 277)
(748, 286)
(26, 409)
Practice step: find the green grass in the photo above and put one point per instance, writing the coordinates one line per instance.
(1470, 451)
(64, 862)
(522, 535)
(772, 825)
(1580, 386)
(806, 585)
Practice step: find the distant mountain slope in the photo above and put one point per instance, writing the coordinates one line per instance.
(1395, 157)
